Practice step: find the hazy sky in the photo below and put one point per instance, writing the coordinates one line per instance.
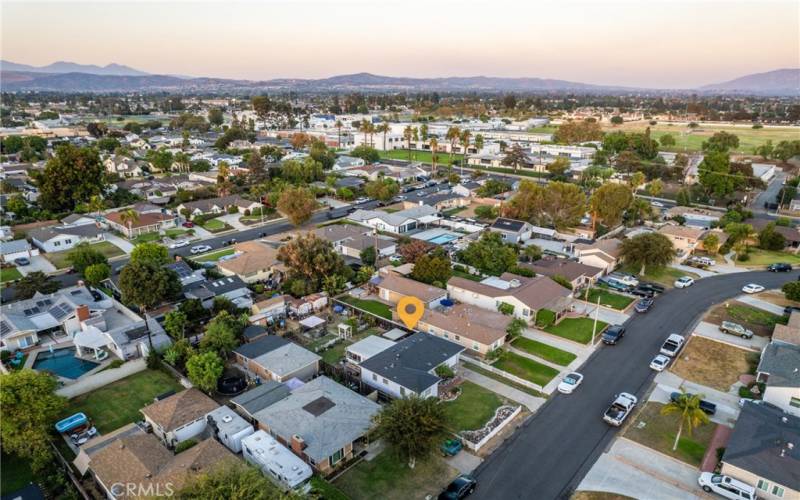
(656, 43)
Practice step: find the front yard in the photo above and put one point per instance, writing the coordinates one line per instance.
(576, 329)
(607, 298)
(117, 404)
(59, 259)
(371, 306)
(388, 477)
(657, 431)
(9, 274)
(665, 276)
(544, 351)
(216, 226)
(215, 256)
(503, 380)
(473, 407)
(712, 363)
(760, 321)
(525, 368)
(760, 257)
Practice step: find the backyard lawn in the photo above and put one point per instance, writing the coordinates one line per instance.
(503, 380)
(544, 351)
(657, 431)
(712, 363)
(372, 306)
(215, 256)
(472, 408)
(388, 477)
(15, 473)
(59, 259)
(607, 298)
(525, 368)
(760, 257)
(118, 404)
(576, 329)
(9, 274)
(423, 156)
(216, 226)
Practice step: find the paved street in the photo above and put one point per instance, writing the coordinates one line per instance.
(548, 458)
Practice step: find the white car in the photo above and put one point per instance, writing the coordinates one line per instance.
(726, 486)
(657, 204)
(178, 244)
(570, 382)
(684, 282)
(199, 249)
(660, 362)
(752, 288)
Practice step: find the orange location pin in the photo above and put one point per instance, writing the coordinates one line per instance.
(410, 310)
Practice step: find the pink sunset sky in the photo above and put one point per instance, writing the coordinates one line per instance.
(653, 43)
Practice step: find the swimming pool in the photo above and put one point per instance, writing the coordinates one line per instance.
(63, 363)
(443, 238)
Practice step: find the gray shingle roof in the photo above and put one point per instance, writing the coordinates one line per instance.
(260, 347)
(782, 362)
(508, 225)
(262, 396)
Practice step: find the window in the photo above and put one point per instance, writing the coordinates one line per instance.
(475, 346)
(336, 457)
(56, 243)
(763, 485)
(777, 491)
(68, 241)
(403, 391)
(446, 335)
(385, 381)
(458, 337)
(526, 312)
(374, 377)
(794, 402)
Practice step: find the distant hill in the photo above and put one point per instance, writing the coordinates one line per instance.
(778, 82)
(112, 69)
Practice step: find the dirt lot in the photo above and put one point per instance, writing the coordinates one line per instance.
(777, 298)
(712, 363)
(469, 212)
(761, 322)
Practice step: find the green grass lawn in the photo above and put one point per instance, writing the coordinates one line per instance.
(607, 298)
(525, 368)
(462, 274)
(325, 490)
(147, 238)
(423, 156)
(577, 329)
(215, 256)
(521, 172)
(503, 380)
(59, 259)
(544, 351)
(372, 306)
(15, 473)
(9, 274)
(453, 211)
(216, 226)
(178, 231)
(760, 257)
(389, 478)
(755, 316)
(658, 433)
(472, 408)
(118, 404)
(665, 276)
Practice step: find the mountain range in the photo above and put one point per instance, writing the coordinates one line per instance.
(72, 77)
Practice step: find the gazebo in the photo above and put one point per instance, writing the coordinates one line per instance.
(90, 339)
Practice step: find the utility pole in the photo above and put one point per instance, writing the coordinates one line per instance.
(594, 328)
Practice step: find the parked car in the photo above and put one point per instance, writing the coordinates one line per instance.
(178, 244)
(657, 204)
(707, 406)
(451, 447)
(620, 409)
(613, 334)
(570, 382)
(199, 249)
(726, 486)
(672, 345)
(706, 261)
(655, 287)
(627, 279)
(188, 223)
(752, 288)
(684, 282)
(22, 261)
(643, 305)
(461, 487)
(744, 401)
(660, 362)
(361, 200)
(735, 329)
(643, 292)
(779, 267)
(788, 310)
(615, 284)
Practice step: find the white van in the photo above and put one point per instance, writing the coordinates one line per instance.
(726, 486)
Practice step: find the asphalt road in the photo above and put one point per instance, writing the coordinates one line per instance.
(216, 243)
(551, 454)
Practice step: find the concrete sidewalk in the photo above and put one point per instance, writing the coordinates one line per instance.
(712, 332)
(727, 403)
(754, 301)
(531, 402)
(605, 314)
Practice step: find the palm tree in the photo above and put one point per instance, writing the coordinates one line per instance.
(423, 132)
(434, 151)
(688, 408)
(128, 217)
(371, 130)
(453, 135)
(339, 125)
(479, 142)
(385, 128)
(96, 205)
(407, 135)
(465, 136)
(364, 127)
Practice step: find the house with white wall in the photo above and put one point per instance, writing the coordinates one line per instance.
(180, 416)
(779, 369)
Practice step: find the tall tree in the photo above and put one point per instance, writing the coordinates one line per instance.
(262, 106)
(70, 177)
(235, 480)
(175, 324)
(128, 217)
(648, 250)
(150, 252)
(515, 157)
(453, 135)
(465, 137)
(385, 129)
(215, 117)
(609, 203)
(382, 189)
(490, 254)
(84, 256)
(711, 243)
(687, 408)
(339, 126)
(715, 174)
(222, 334)
(433, 268)
(36, 281)
(204, 369)
(434, 155)
(298, 204)
(414, 249)
(147, 285)
(408, 134)
(310, 259)
(413, 426)
(96, 273)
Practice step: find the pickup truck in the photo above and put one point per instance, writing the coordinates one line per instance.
(707, 406)
(672, 345)
(735, 329)
(620, 409)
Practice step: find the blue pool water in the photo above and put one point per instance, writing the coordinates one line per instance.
(443, 238)
(63, 363)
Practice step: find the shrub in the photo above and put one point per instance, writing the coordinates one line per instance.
(545, 318)
(506, 308)
(185, 445)
(445, 372)
(522, 271)
(744, 257)
(744, 392)
(246, 212)
(233, 209)
(791, 290)
(115, 364)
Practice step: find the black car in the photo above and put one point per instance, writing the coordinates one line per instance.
(461, 487)
(613, 334)
(779, 267)
(708, 407)
(643, 292)
(788, 310)
(654, 287)
(643, 305)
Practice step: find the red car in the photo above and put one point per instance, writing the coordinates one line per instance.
(188, 223)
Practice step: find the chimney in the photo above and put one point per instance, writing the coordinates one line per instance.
(298, 445)
(178, 258)
(82, 312)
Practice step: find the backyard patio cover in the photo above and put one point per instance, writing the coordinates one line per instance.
(312, 322)
(91, 338)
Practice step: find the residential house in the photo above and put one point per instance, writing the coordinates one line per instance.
(275, 358)
(790, 234)
(351, 240)
(180, 416)
(230, 287)
(124, 166)
(779, 369)
(303, 306)
(217, 205)
(440, 200)
(604, 254)
(269, 311)
(396, 172)
(397, 222)
(466, 188)
(346, 162)
(697, 217)
(252, 401)
(253, 261)
(322, 422)
(790, 332)
(763, 451)
(512, 231)
(685, 239)
(61, 238)
(349, 182)
(366, 348)
(527, 295)
(763, 171)
(16, 249)
(409, 367)
(479, 330)
(392, 288)
(78, 220)
(150, 219)
(579, 275)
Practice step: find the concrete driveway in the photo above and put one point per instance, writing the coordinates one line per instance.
(712, 332)
(605, 314)
(727, 403)
(123, 244)
(754, 301)
(633, 470)
(38, 263)
(233, 220)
